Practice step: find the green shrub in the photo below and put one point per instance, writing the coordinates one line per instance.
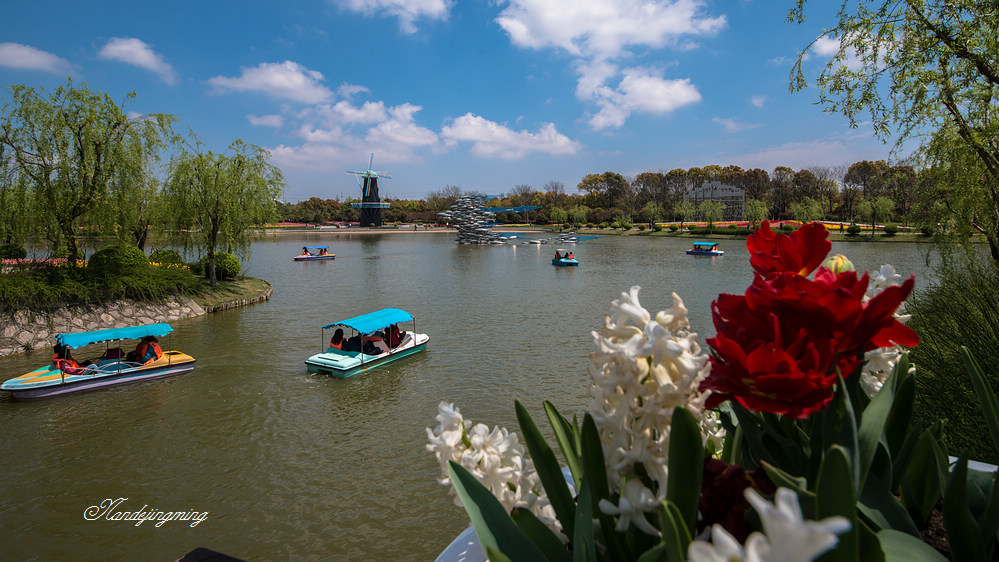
(959, 307)
(852, 230)
(62, 253)
(928, 229)
(673, 228)
(13, 252)
(615, 224)
(891, 229)
(165, 256)
(227, 266)
(602, 225)
(116, 260)
(657, 227)
(641, 227)
(566, 225)
(627, 225)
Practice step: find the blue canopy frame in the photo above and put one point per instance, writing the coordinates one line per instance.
(80, 339)
(367, 323)
(316, 247)
(705, 243)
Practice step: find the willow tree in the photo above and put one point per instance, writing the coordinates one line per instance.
(70, 144)
(920, 69)
(218, 197)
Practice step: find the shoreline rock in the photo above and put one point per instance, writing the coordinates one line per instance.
(21, 330)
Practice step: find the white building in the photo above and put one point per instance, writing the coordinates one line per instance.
(732, 197)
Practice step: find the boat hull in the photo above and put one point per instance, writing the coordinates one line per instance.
(705, 253)
(565, 262)
(343, 364)
(47, 382)
(314, 258)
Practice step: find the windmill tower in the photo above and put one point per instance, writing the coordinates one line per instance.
(371, 205)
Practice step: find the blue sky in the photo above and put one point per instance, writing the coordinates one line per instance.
(484, 95)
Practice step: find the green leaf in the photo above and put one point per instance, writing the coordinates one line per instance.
(901, 547)
(676, 535)
(595, 480)
(924, 480)
(899, 421)
(584, 549)
(990, 408)
(872, 425)
(834, 496)
(542, 536)
(686, 465)
(492, 555)
(567, 437)
(882, 509)
(963, 535)
(492, 524)
(549, 471)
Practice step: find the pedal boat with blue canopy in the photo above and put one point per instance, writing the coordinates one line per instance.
(111, 368)
(562, 260)
(342, 363)
(315, 253)
(705, 249)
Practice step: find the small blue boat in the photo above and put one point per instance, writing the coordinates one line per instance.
(564, 258)
(705, 249)
(111, 368)
(370, 343)
(315, 253)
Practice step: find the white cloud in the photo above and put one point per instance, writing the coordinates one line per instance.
(25, 57)
(408, 11)
(733, 125)
(287, 80)
(134, 51)
(758, 101)
(604, 28)
(640, 90)
(600, 32)
(826, 46)
(266, 120)
(492, 140)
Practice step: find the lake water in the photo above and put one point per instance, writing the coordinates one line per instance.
(290, 465)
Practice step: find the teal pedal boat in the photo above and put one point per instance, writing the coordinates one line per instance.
(373, 340)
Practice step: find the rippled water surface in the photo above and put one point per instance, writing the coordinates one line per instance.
(290, 465)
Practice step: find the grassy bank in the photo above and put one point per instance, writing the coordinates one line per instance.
(227, 291)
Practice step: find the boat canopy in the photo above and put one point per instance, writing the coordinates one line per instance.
(80, 339)
(317, 247)
(367, 323)
(705, 243)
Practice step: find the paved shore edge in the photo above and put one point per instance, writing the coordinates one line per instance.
(24, 330)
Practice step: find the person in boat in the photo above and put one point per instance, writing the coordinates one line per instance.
(305, 251)
(558, 256)
(394, 336)
(63, 360)
(569, 256)
(337, 342)
(146, 351)
(370, 343)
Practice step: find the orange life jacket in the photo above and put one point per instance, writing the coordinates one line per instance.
(147, 352)
(337, 345)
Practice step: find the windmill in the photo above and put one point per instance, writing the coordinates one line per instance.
(370, 205)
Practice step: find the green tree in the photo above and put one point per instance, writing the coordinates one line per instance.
(712, 211)
(608, 189)
(577, 214)
(806, 210)
(652, 212)
(920, 68)
(756, 211)
(685, 210)
(219, 196)
(72, 144)
(558, 215)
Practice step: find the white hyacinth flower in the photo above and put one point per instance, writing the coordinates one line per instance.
(634, 502)
(789, 537)
(722, 548)
(494, 456)
(878, 363)
(644, 368)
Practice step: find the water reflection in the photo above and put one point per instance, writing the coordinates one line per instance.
(293, 465)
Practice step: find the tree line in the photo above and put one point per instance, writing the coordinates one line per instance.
(75, 164)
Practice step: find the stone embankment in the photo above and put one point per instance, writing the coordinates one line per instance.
(24, 330)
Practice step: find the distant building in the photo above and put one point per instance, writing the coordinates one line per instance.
(732, 197)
